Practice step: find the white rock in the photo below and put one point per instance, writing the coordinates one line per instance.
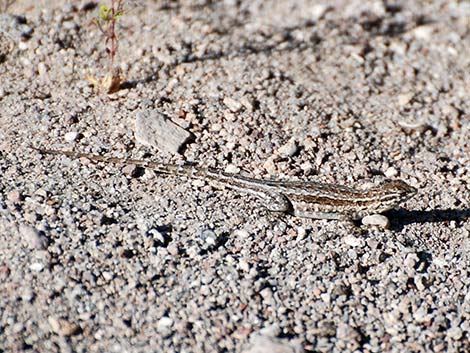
(54, 323)
(423, 32)
(376, 220)
(42, 69)
(411, 260)
(414, 126)
(107, 275)
(353, 241)
(71, 136)
(244, 265)
(232, 104)
(301, 232)
(155, 130)
(269, 165)
(232, 169)
(440, 261)
(455, 333)
(289, 149)
(450, 111)
(391, 172)
(346, 332)
(242, 233)
(317, 11)
(272, 330)
(157, 235)
(36, 266)
(164, 324)
(209, 237)
(23, 46)
(247, 103)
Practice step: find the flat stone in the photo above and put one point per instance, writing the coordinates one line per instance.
(33, 237)
(156, 130)
(267, 344)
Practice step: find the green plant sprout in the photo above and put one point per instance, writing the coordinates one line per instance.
(106, 22)
(107, 18)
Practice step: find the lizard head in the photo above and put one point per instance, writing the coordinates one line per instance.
(402, 190)
(394, 192)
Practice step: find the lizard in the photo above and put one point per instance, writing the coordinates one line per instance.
(305, 199)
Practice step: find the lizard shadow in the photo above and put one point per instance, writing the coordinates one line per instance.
(401, 217)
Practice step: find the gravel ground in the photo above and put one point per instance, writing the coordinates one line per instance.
(110, 258)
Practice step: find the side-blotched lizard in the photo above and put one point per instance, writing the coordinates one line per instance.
(305, 199)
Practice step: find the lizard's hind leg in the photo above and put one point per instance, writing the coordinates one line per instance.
(277, 202)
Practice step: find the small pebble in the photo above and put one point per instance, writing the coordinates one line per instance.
(165, 325)
(411, 260)
(164, 322)
(317, 11)
(423, 32)
(269, 165)
(247, 103)
(301, 232)
(376, 220)
(63, 327)
(209, 237)
(346, 332)
(353, 241)
(404, 99)
(42, 69)
(107, 275)
(71, 136)
(232, 104)
(242, 233)
(391, 172)
(36, 266)
(23, 46)
(244, 265)
(28, 295)
(289, 149)
(272, 330)
(173, 249)
(455, 333)
(232, 169)
(450, 111)
(158, 236)
(14, 196)
(417, 126)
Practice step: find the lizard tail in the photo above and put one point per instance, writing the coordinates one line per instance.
(180, 170)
